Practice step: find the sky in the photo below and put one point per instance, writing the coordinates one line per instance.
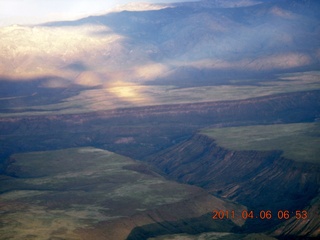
(37, 11)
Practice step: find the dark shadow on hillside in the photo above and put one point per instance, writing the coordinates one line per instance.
(192, 226)
(22, 95)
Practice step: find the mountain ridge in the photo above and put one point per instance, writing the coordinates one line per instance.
(261, 180)
(265, 37)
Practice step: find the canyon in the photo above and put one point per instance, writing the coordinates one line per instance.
(167, 137)
(189, 120)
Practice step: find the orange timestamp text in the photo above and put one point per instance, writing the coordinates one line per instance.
(263, 214)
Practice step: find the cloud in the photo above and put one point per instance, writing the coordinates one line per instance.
(89, 78)
(150, 71)
(282, 13)
(281, 61)
(277, 61)
(51, 51)
(37, 11)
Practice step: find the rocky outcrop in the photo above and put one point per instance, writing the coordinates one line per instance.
(261, 180)
(309, 227)
(152, 128)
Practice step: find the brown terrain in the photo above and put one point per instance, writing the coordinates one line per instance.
(143, 85)
(310, 227)
(259, 180)
(166, 137)
(89, 193)
(150, 129)
(190, 216)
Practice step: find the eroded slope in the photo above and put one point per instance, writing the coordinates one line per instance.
(89, 193)
(262, 180)
(310, 227)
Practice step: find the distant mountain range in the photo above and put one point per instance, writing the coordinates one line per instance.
(207, 36)
(151, 93)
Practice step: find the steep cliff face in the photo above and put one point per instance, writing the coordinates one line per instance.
(308, 227)
(259, 180)
(150, 128)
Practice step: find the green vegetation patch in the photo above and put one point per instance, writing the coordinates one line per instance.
(299, 141)
(53, 193)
